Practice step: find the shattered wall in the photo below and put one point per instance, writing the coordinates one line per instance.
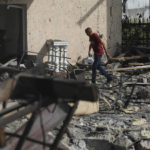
(67, 19)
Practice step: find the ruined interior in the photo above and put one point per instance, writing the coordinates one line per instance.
(12, 29)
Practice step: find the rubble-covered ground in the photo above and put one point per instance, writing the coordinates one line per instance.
(122, 122)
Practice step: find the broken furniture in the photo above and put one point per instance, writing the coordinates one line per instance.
(39, 92)
(57, 55)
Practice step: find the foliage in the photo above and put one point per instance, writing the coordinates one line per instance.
(135, 32)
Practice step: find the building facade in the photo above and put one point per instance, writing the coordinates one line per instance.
(28, 24)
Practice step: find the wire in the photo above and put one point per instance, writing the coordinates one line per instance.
(41, 121)
(27, 138)
(21, 58)
(65, 124)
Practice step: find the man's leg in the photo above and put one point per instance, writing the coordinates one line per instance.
(102, 69)
(94, 67)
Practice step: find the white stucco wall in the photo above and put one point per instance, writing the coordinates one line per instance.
(67, 19)
(114, 26)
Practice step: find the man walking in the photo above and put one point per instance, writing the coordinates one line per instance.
(97, 45)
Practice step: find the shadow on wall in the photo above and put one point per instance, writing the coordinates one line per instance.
(83, 18)
(42, 53)
(29, 2)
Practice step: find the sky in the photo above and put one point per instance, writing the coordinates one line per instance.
(131, 4)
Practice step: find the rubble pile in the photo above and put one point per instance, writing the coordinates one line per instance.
(122, 122)
(123, 118)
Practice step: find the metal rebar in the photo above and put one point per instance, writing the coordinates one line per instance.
(64, 127)
(10, 109)
(27, 129)
(25, 111)
(128, 100)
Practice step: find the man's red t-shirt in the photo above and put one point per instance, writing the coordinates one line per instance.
(96, 44)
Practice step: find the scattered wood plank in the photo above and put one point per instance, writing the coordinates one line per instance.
(9, 69)
(121, 55)
(136, 64)
(121, 59)
(106, 101)
(2, 137)
(6, 89)
(135, 83)
(129, 68)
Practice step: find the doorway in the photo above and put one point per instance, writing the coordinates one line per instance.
(12, 32)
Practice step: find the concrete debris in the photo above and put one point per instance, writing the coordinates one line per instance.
(117, 125)
(137, 122)
(122, 122)
(145, 144)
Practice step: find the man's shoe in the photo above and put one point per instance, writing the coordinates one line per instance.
(109, 79)
(93, 82)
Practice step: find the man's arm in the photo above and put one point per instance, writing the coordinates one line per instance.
(98, 39)
(106, 51)
(89, 52)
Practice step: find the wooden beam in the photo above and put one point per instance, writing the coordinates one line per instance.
(129, 68)
(121, 59)
(2, 137)
(106, 101)
(6, 88)
(135, 83)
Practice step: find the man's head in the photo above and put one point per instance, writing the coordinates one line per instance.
(88, 31)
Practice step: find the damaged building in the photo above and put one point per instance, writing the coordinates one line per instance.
(47, 100)
(26, 25)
